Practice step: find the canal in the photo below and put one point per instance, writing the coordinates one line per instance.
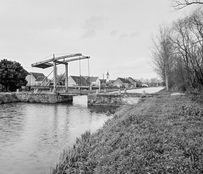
(32, 136)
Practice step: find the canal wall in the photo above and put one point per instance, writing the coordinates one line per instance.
(111, 99)
(8, 98)
(104, 99)
(34, 98)
(116, 99)
(93, 99)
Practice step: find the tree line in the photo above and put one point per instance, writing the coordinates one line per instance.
(178, 53)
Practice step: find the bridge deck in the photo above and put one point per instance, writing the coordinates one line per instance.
(42, 65)
(67, 94)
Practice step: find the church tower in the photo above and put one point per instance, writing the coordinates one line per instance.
(107, 77)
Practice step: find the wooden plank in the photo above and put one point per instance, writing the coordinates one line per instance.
(68, 56)
(60, 62)
(55, 58)
(80, 58)
(43, 65)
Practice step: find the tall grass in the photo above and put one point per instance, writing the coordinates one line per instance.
(160, 135)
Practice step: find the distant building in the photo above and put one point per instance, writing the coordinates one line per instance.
(93, 81)
(74, 81)
(36, 79)
(132, 81)
(125, 82)
(110, 83)
(145, 85)
(122, 82)
(103, 83)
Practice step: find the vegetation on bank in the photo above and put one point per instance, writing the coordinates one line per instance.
(162, 134)
(178, 53)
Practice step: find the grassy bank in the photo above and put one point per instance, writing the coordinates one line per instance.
(163, 134)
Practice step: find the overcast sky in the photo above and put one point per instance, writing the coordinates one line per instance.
(116, 34)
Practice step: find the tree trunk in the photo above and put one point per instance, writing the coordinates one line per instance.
(166, 79)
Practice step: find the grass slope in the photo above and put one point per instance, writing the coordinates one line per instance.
(162, 134)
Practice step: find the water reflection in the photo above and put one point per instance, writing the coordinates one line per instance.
(11, 122)
(32, 136)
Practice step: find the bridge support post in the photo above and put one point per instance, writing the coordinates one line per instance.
(66, 76)
(55, 76)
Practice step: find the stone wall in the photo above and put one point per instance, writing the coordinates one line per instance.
(37, 98)
(8, 98)
(110, 99)
(34, 98)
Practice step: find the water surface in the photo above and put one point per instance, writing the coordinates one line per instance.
(32, 136)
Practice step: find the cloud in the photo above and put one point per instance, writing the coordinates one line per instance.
(114, 33)
(135, 67)
(129, 35)
(92, 26)
(134, 34)
(124, 35)
(89, 33)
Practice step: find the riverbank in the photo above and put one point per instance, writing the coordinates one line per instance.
(161, 134)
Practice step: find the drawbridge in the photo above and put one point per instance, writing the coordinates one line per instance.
(55, 61)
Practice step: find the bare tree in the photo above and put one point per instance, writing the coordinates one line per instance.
(178, 53)
(179, 4)
(162, 55)
(188, 44)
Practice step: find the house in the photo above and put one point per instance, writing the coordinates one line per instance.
(122, 82)
(110, 83)
(93, 81)
(132, 81)
(103, 83)
(83, 81)
(74, 81)
(145, 85)
(36, 79)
